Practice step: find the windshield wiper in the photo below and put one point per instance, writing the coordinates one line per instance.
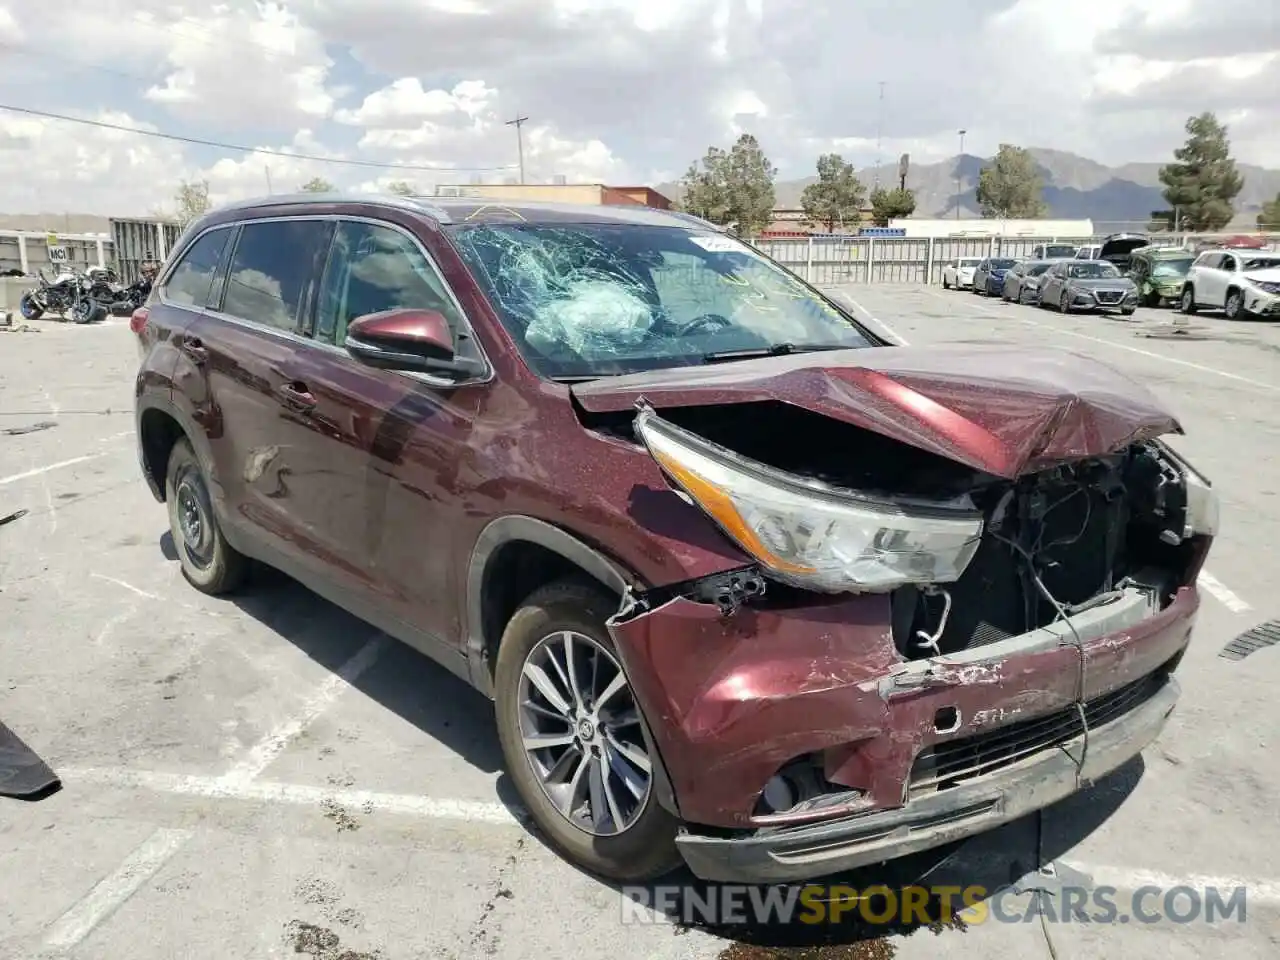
(775, 350)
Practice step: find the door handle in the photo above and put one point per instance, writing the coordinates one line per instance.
(297, 395)
(195, 349)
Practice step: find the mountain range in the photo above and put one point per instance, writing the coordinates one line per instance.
(1075, 187)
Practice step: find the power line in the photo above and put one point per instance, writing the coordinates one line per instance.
(104, 125)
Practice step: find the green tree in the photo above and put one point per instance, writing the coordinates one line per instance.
(888, 205)
(751, 193)
(731, 187)
(1269, 218)
(836, 198)
(1202, 181)
(401, 188)
(317, 185)
(1010, 187)
(704, 188)
(191, 201)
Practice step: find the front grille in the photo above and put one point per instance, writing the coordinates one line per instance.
(1109, 296)
(954, 762)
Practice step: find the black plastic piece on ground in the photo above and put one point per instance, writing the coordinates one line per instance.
(1263, 635)
(16, 515)
(23, 775)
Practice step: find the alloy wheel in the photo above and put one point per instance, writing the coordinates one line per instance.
(1233, 306)
(581, 730)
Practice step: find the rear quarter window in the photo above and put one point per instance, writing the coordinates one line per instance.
(191, 282)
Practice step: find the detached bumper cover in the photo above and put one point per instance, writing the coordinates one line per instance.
(799, 853)
(731, 700)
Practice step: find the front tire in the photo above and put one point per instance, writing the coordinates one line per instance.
(209, 563)
(1234, 305)
(29, 309)
(1188, 302)
(1064, 303)
(574, 740)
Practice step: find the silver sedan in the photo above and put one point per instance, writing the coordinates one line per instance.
(1022, 283)
(1087, 286)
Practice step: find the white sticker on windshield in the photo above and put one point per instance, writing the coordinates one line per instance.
(714, 243)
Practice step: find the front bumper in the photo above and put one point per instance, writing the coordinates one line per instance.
(1087, 301)
(1262, 304)
(732, 700)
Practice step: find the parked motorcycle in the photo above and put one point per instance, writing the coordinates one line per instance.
(130, 298)
(67, 294)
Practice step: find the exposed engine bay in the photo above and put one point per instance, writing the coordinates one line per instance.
(1053, 543)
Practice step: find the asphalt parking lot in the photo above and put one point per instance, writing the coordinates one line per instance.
(265, 776)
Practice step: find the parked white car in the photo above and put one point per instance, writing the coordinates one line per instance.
(1089, 252)
(958, 274)
(1239, 282)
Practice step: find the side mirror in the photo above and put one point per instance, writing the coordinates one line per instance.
(407, 340)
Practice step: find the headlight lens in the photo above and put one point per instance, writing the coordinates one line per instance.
(809, 534)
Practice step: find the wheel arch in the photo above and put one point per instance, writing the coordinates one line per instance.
(512, 557)
(161, 424)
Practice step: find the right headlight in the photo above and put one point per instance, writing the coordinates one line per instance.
(809, 534)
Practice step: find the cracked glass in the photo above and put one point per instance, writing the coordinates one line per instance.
(597, 299)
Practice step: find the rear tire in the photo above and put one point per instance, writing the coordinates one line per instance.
(209, 563)
(946, 284)
(645, 847)
(1064, 303)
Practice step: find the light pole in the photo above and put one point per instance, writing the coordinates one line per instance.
(959, 166)
(518, 123)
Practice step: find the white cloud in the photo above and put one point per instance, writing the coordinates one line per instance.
(614, 89)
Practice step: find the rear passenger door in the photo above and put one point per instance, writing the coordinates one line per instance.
(263, 445)
(398, 440)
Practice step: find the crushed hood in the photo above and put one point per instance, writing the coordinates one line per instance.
(1265, 275)
(1007, 411)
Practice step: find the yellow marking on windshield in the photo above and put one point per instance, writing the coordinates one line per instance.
(495, 207)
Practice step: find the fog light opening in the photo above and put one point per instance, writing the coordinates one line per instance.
(946, 720)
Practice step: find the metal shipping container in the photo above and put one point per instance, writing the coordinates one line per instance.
(134, 240)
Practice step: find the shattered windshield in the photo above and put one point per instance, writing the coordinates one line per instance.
(1262, 263)
(1003, 264)
(1094, 270)
(598, 299)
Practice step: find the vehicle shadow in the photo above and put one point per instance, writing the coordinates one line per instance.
(988, 865)
(410, 685)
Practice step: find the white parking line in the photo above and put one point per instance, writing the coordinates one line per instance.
(113, 890)
(140, 865)
(1128, 879)
(1223, 594)
(14, 478)
(987, 315)
(271, 746)
(1260, 890)
(222, 788)
(876, 321)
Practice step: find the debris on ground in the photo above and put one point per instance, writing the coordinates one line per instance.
(338, 816)
(16, 515)
(29, 428)
(323, 944)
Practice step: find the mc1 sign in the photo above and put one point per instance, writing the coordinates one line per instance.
(58, 254)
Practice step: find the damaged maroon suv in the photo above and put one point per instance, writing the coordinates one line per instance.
(750, 587)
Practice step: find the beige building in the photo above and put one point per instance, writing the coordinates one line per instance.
(594, 194)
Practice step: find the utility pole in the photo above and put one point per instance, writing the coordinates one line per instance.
(268, 172)
(879, 133)
(518, 122)
(959, 165)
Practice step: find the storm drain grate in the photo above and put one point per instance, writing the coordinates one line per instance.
(1263, 635)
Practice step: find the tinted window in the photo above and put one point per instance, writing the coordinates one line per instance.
(1005, 263)
(372, 269)
(1262, 263)
(191, 281)
(270, 270)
